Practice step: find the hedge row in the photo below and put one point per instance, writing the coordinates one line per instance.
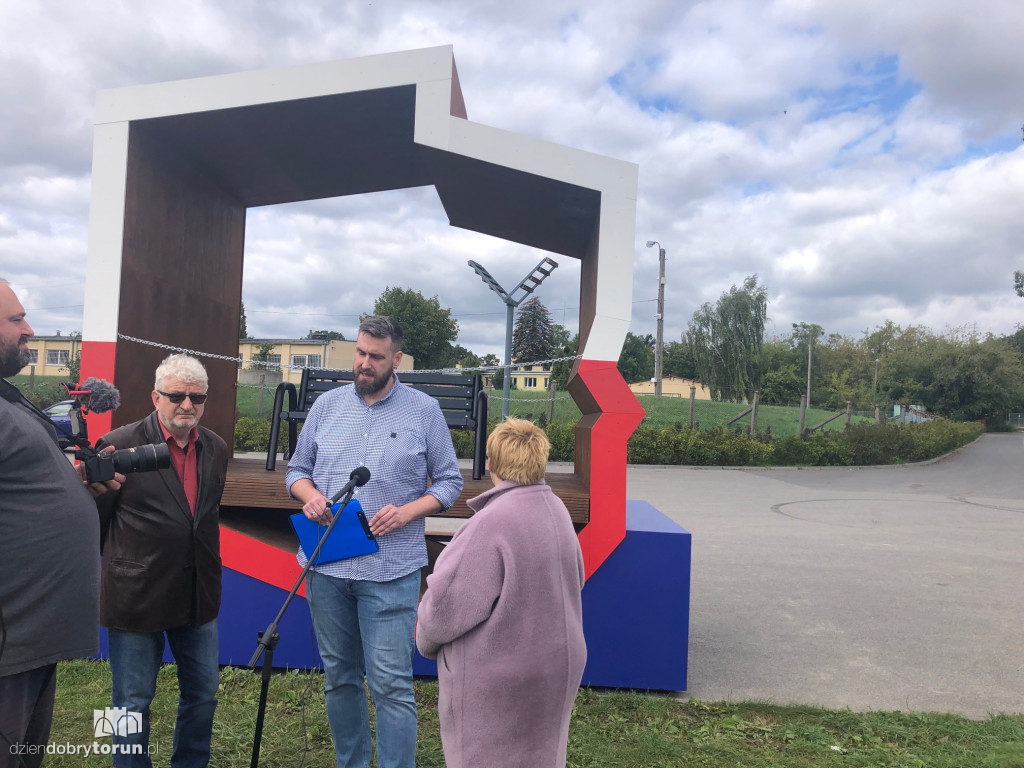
(858, 445)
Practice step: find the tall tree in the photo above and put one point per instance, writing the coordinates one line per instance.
(725, 340)
(243, 331)
(636, 362)
(961, 375)
(262, 355)
(325, 335)
(429, 329)
(565, 346)
(532, 334)
(459, 355)
(781, 381)
(678, 361)
(805, 335)
(1018, 283)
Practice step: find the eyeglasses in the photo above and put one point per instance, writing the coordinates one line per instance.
(179, 397)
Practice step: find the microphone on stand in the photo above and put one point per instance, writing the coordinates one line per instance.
(357, 479)
(268, 638)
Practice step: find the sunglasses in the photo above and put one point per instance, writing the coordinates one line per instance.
(179, 397)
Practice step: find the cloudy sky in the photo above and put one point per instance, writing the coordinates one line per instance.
(863, 158)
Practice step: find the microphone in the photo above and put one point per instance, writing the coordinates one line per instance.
(358, 478)
(96, 395)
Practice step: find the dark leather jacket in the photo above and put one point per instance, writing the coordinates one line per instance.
(161, 565)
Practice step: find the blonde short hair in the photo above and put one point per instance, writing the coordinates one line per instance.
(518, 450)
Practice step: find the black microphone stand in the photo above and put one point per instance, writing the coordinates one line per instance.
(268, 638)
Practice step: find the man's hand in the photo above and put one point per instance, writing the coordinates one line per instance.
(98, 489)
(389, 518)
(318, 509)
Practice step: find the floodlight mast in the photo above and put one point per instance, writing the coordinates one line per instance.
(527, 285)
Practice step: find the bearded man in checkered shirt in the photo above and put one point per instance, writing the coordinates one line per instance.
(364, 608)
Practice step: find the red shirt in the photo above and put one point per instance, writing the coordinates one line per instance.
(184, 462)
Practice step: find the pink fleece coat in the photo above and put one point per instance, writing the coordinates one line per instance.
(502, 615)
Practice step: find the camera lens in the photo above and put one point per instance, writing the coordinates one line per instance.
(142, 458)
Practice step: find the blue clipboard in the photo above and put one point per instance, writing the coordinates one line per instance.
(350, 536)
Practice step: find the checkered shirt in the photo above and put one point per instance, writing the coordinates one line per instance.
(402, 439)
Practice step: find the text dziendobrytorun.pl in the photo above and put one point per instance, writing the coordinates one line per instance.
(96, 748)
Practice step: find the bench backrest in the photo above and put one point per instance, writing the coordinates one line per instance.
(455, 393)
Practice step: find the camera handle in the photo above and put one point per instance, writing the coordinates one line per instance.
(268, 638)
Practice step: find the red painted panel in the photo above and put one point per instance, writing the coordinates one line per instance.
(620, 413)
(260, 561)
(98, 362)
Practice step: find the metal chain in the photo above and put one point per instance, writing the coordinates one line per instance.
(264, 364)
(192, 352)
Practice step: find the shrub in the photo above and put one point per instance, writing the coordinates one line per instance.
(462, 439)
(46, 393)
(816, 449)
(563, 441)
(254, 434)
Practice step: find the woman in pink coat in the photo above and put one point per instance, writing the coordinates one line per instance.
(503, 618)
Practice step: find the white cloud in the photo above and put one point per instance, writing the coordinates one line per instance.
(861, 158)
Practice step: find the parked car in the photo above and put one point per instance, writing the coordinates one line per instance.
(60, 417)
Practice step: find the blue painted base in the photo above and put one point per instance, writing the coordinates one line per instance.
(636, 613)
(636, 608)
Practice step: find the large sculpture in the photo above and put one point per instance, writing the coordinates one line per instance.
(176, 165)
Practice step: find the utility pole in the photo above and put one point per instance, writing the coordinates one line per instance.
(813, 331)
(659, 344)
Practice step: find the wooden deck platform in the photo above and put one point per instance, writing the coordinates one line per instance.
(255, 501)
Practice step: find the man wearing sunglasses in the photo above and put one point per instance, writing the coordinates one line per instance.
(161, 575)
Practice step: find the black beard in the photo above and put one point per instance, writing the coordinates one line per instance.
(13, 359)
(364, 388)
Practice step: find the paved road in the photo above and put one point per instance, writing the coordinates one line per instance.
(877, 588)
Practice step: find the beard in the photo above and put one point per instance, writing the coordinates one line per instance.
(375, 385)
(13, 358)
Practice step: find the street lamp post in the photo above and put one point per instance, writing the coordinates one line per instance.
(659, 344)
(527, 286)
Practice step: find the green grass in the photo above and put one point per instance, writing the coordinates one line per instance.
(609, 729)
(782, 421)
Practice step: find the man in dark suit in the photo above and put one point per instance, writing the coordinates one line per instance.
(49, 575)
(161, 575)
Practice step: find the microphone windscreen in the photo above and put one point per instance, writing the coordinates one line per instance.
(105, 396)
(359, 476)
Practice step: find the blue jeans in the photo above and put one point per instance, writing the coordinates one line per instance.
(134, 662)
(366, 625)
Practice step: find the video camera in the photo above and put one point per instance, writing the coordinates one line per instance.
(99, 396)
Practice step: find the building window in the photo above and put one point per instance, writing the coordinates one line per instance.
(529, 382)
(33, 357)
(305, 361)
(57, 357)
(546, 383)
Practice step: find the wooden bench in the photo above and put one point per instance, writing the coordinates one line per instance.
(462, 399)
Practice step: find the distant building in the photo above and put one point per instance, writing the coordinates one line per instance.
(290, 356)
(671, 386)
(51, 354)
(536, 377)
